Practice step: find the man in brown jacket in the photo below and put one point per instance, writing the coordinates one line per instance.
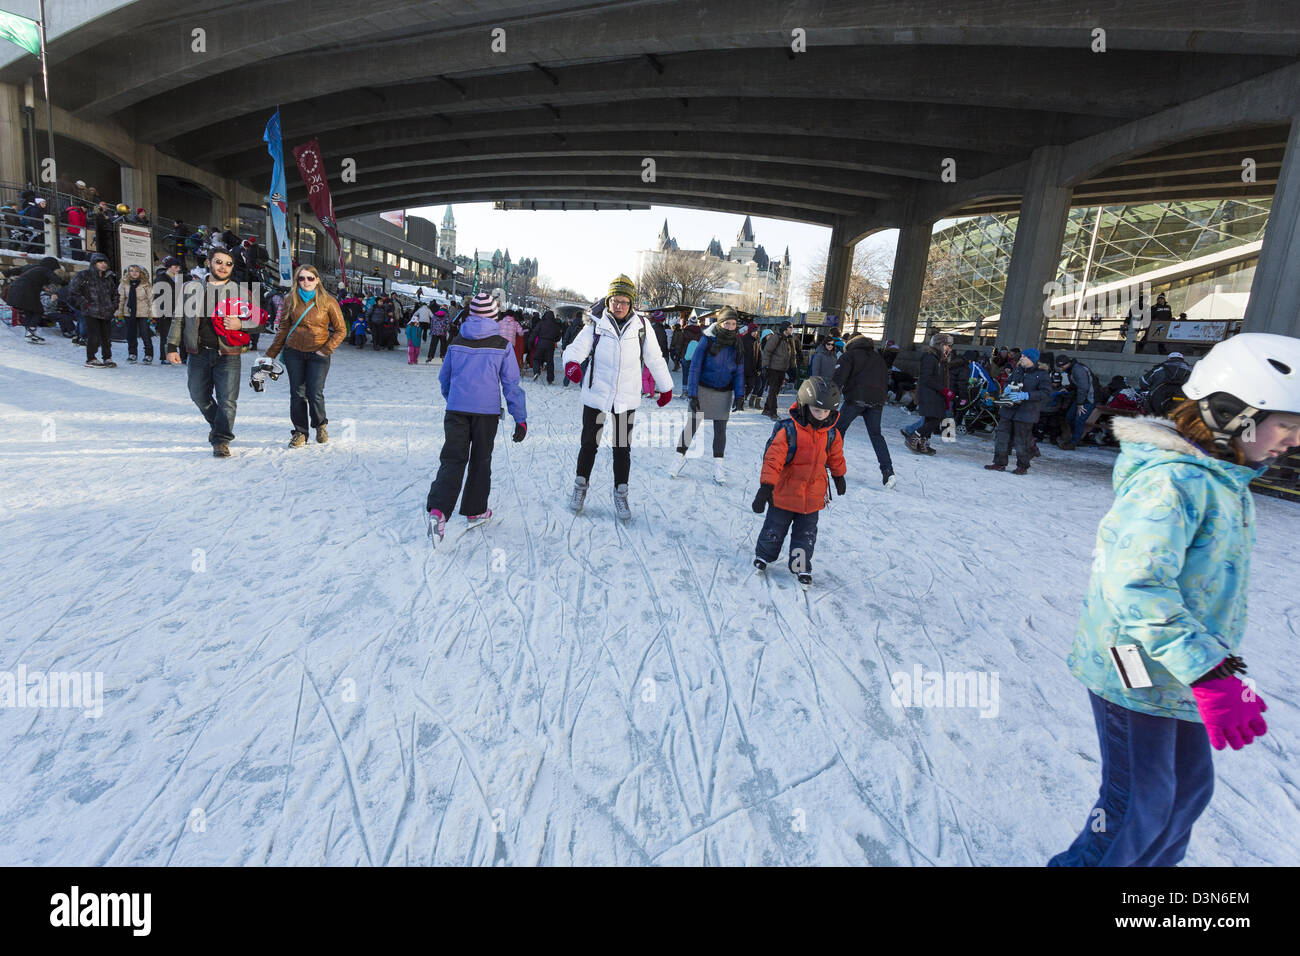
(311, 326)
(779, 356)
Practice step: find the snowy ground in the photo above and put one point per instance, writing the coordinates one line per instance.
(290, 677)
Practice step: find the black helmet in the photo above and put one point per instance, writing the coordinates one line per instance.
(819, 393)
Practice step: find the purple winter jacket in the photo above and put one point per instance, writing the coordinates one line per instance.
(478, 367)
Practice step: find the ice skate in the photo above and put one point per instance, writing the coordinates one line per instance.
(621, 508)
(579, 496)
(437, 526)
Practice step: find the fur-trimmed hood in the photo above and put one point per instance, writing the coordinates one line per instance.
(1148, 442)
(1160, 432)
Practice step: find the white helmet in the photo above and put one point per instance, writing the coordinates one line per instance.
(1244, 379)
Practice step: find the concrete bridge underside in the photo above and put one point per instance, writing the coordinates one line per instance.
(859, 115)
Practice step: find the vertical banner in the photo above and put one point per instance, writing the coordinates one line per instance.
(312, 171)
(279, 195)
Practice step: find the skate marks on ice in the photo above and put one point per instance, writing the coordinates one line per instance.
(569, 689)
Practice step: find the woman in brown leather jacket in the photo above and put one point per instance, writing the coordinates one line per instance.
(311, 326)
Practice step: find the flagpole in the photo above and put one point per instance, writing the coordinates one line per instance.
(49, 123)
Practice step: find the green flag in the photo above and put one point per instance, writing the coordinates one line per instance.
(22, 31)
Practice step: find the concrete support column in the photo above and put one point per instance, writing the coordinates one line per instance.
(140, 182)
(839, 268)
(230, 205)
(12, 166)
(1036, 255)
(1274, 304)
(906, 282)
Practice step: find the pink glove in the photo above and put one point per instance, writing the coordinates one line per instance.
(1231, 712)
(665, 398)
(573, 372)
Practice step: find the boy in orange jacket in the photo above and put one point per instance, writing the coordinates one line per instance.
(794, 486)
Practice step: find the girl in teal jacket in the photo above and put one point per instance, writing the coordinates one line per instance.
(1165, 612)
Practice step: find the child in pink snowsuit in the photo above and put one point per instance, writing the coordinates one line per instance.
(413, 333)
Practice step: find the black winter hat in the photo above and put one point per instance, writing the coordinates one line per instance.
(50, 263)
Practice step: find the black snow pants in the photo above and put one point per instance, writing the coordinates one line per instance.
(467, 440)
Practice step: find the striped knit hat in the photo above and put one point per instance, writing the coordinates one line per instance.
(622, 286)
(483, 305)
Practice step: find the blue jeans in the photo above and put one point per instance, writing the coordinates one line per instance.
(803, 537)
(1157, 776)
(913, 428)
(871, 417)
(307, 372)
(1078, 422)
(211, 372)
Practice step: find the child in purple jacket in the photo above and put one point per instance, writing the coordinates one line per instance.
(478, 367)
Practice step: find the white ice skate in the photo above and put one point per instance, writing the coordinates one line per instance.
(621, 508)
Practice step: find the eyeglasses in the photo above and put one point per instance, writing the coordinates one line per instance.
(623, 302)
(307, 278)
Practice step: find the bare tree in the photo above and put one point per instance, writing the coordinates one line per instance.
(679, 278)
(868, 282)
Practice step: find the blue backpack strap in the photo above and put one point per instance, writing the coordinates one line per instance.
(791, 438)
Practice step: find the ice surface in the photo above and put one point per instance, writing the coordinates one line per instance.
(554, 688)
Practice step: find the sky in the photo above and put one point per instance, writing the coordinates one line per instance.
(585, 250)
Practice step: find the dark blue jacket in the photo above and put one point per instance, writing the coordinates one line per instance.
(1036, 383)
(478, 367)
(724, 370)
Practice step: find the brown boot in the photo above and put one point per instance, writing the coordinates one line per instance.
(221, 450)
(995, 467)
(1021, 470)
(298, 440)
(322, 436)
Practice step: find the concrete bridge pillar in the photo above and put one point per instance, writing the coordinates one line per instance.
(140, 182)
(907, 281)
(1036, 255)
(839, 269)
(1274, 304)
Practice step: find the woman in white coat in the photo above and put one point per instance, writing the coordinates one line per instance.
(606, 358)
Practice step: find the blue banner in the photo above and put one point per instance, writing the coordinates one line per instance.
(279, 195)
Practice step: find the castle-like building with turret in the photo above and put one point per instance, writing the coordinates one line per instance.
(752, 280)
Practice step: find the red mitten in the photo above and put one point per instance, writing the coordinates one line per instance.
(665, 398)
(573, 372)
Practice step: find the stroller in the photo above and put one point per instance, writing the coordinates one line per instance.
(978, 410)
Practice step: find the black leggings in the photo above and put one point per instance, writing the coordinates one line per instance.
(593, 423)
(693, 420)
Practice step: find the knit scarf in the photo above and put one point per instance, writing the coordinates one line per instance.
(130, 297)
(722, 338)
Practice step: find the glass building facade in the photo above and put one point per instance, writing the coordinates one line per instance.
(969, 258)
